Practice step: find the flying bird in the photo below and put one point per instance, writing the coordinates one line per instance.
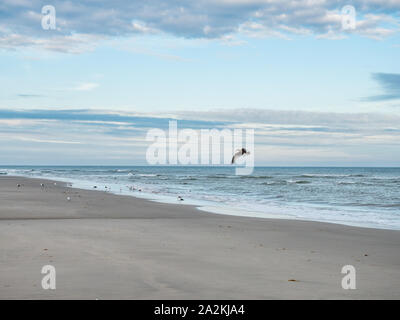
(238, 154)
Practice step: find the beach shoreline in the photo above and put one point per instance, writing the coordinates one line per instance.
(360, 197)
(108, 246)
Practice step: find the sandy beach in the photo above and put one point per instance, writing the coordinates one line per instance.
(106, 246)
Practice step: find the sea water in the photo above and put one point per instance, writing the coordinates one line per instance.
(368, 197)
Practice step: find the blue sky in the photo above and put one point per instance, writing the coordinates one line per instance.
(316, 94)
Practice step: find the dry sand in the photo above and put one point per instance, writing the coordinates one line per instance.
(107, 246)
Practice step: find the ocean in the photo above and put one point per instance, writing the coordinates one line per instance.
(366, 197)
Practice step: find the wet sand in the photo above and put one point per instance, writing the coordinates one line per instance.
(107, 246)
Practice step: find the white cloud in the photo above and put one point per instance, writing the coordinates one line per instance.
(39, 140)
(83, 136)
(86, 86)
(141, 27)
(294, 117)
(75, 43)
(331, 35)
(258, 30)
(82, 25)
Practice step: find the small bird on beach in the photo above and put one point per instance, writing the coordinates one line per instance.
(238, 154)
(180, 198)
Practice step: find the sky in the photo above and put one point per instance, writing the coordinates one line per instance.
(86, 92)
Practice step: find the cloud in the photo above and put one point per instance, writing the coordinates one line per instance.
(86, 86)
(263, 120)
(294, 117)
(106, 118)
(22, 138)
(27, 95)
(390, 84)
(104, 137)
(81, 25)
(153, 53)
(331, 35)
(73, 44)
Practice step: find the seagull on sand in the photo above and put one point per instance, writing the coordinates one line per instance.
(238, 154)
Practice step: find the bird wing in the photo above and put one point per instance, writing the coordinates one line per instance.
(236, 156)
